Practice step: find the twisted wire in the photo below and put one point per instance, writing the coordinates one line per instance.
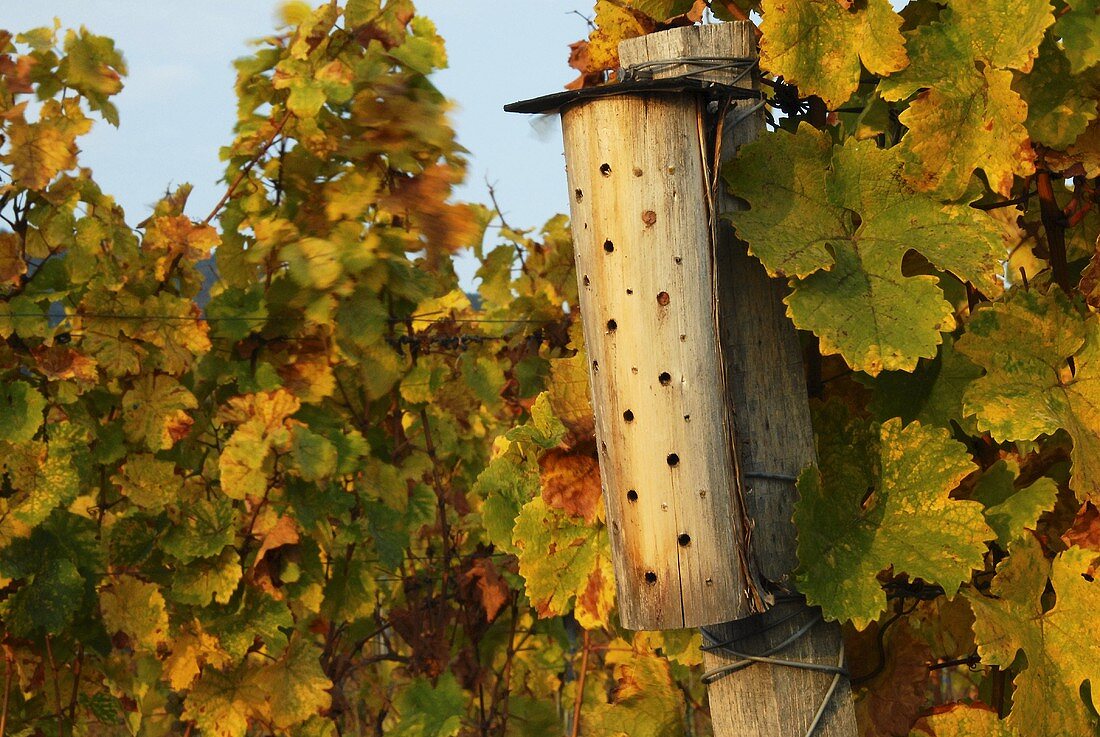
(742, 660)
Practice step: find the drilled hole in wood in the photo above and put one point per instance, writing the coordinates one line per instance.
(608, 246)
(605, 169)
(663, 299)
(665, 378)
(628, 416)
(687, 418)
(612, 326)
(673, 459)
(683, 338)
(596, 366)
(632, 496)
(578, 194)
(649, 218)
(630, 291)
(650, 577)
(586, 280)
(684, 539)
(678, 259)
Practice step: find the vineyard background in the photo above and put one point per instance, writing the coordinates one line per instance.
(344, 499)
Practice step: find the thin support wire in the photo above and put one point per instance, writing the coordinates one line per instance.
(744, 660)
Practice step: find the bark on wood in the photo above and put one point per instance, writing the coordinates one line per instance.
(774, 439)
(636, 173)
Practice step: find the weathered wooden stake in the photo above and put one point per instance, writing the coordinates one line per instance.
(637, 172)
(767, 392)
(697, 380)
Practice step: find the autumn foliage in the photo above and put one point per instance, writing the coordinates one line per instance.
(339, 497)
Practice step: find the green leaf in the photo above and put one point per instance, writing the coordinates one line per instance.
(1029, 389)
(1003, 33)
(1059, 105)
(201, 529)
(1010, 511)
(543, 429)
(21, 407)
(882, 501)
(137, 609)
(932, 394)
(1079, 29)
(236, 313)
(839, 220)
(256, 615)
(294, 688)
(969, 118)
(314, 455)
(558, 555)
(148, 482)
(505, 485)
(822, 45)
(203, 580)
(428, 710)
(1061, 652)
(48, 602)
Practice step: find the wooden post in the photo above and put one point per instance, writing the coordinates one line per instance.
(767, 391)
(637, 168)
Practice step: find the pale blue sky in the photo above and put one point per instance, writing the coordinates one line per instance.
(177, 108)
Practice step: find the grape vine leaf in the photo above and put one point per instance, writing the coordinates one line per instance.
(614, 23)
(823, 46)
(1059, 106)
(838, 221)
(882, 501)
(294, 687)
(1079, 29)
(1061, 653)
(558, 555)
(37, 152)
(969, 117)
(93, 67)
(1029, 388)
(21, 411)
(155, 411)
(264, 425)
(204, 580)
(137, 609)
(148, 482)
(963, 720)
(1011, 511)
(192, 650)
(505, 486)
(49, 600)
(428, 710)
(643, 701)
(571, 482)
(220, 703)
(932, 394)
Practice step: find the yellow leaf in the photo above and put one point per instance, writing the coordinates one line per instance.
(135, 608)
(38, 152)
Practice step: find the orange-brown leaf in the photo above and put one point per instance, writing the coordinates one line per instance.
(571, 482)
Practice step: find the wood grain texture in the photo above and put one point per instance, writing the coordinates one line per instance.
(767, 393)
(644, 263)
